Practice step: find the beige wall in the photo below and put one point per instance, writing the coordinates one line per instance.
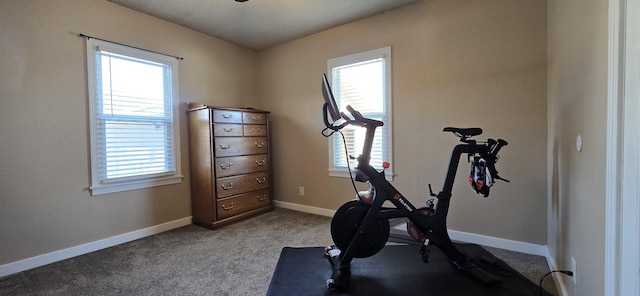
(455, 63)
(44, 202)
(578, 39)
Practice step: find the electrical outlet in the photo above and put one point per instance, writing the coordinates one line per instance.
(301, 191)
(574, 268)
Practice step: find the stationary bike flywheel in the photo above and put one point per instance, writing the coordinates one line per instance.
(345, 224)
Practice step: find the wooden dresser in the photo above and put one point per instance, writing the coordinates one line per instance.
(230, 164)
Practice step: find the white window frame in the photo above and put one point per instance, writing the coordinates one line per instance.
(385, 53)
(99, 186)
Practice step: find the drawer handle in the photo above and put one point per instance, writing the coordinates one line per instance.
(261, 163)
(260, 181)
(261, 198)
(256, 130)
(228, 186)
(227, 115)
(225, 147)
(260, 145)
(256, 117)
(227, 130)
(227, 208)
(225, 167)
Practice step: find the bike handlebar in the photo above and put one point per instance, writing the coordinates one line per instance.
(498, 146)
(356, 119)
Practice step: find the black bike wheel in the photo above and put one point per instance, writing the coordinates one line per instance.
(344, 226)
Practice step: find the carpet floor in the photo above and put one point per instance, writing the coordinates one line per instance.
(238, 259)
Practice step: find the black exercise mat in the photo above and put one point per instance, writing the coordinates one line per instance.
(396, 270)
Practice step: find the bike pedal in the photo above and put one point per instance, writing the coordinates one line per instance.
(487, 261)
(424, 251)
(333, 253)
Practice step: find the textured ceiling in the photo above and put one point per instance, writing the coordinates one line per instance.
(258, 24)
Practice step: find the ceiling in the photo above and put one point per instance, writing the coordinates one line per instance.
(258, 24)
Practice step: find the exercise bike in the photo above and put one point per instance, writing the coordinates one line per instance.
(360, 228)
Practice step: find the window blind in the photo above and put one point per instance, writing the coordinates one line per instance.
(134, 116)
(361, 85)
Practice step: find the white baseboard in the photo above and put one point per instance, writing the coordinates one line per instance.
(562, 288)
(460, 236)
(304, 209)
(501, 243)
(44, 259)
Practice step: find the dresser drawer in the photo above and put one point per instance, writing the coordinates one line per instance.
(236, 165)
(227, 130)
(254, 118)
(229, 186)
(226, 116)
(233, 146)
(241, 203)
(255, 130)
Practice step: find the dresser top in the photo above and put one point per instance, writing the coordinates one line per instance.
(194, 106)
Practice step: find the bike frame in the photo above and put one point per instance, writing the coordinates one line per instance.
(434, 227)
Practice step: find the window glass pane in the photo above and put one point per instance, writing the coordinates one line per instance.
(361, 86)
(133, 87)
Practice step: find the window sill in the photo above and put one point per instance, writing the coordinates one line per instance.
(137, 184)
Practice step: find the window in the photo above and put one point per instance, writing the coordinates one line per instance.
(362, 80)
(132, 118)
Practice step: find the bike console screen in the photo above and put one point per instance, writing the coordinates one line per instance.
(330, 101)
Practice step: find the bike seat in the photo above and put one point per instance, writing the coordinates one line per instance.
(465, 132)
